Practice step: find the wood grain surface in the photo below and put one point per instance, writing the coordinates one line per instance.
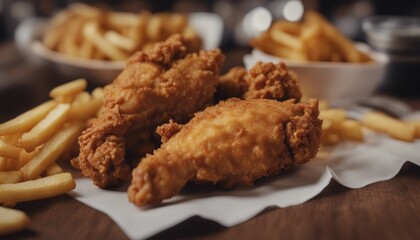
(384, 210)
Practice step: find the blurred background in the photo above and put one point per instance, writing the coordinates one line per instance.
(23, 85)
(345, 14)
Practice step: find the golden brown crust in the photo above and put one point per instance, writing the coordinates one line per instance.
(234, 142)
(264, 80)
(272, 81)
(165, 83)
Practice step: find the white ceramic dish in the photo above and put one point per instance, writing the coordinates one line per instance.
(208, 25)
(340, 83)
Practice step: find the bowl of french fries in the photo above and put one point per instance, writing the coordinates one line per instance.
(329, 65)
(93, 43)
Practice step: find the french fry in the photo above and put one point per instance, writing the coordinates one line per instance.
(85, 110)
(119, 40)
(45, 187)
(314, 39)
(27, 120)
(86, 49)
(336, 116)
(12, 220)
(330, 139)
(10, 177)
(390, 126)
(351, 129)
(25, 157)
(155, 27)
(9, 151)
(53, 170)
(176, 24)
(92, 32)
(51, 150)
(85, 10)
(71, 43)
(323, 105)
(345, 45)
(138, 31)
(416, 125)
(285, 39)
(45, 128)
(69, 89)
(57, 29)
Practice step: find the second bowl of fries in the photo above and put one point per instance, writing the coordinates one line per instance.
(329, 65)
(83, 41)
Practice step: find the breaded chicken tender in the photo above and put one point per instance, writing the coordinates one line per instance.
(232, 143)
(167, 82)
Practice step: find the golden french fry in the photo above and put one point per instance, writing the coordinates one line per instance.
(176, 24)
(12, 164)
(8, 150)
(25, 157)
(336, 116)
(155, 27)
(98, 93)
(267, 45)
(285, 39)
(86, 49)
(12, 139)
(10, 177)
(351, 129)
(45, 128)
(69, 89)
(37, 189)
(323, 105)
(71, 43)
(416, 125)
(344, 44)
(51, 150)
(330, 138)
(56, 29)
(27, 120)
(92, 32)
(85, 10)
(389, 125)
(53, 170)
(326, 124)
(120, 41)
(85, 110)
(137, 33)
(12, 220)
(119, 19)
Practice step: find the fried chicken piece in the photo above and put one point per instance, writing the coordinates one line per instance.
(234, 142)
(264, 80)
(165, 83)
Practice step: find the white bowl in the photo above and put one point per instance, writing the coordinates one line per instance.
(339, 83)
(99, 72)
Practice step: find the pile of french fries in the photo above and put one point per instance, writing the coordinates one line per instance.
(313, 39)
(337, 127)
(91, 33)
(31, 143)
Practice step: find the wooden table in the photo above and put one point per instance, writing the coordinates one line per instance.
(384, 210)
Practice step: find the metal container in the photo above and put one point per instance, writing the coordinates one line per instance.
(399, 38)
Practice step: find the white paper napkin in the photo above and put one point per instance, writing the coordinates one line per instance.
(351, 164)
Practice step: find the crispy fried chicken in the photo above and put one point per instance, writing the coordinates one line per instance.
(168, 82)
(234, 142)
(264, 80)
